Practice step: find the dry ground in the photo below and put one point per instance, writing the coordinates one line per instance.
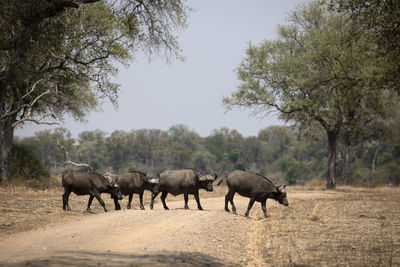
(345, 227)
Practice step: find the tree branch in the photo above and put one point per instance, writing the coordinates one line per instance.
(68, 161)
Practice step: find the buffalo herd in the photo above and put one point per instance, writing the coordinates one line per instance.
(185, 181)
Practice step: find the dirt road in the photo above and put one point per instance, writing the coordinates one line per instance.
(176, 237)
(346, 227)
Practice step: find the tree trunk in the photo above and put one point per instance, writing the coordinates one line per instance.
(6, 146)
(346, 162)
(375, 156)
(332, 156)
(2, 160)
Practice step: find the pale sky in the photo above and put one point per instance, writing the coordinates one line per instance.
(156, 94)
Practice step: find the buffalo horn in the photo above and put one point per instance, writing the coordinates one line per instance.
(206, 177)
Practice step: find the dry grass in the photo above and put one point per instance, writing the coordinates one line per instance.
(343, 227)
(349, 227)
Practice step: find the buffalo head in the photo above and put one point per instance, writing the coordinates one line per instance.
(280, 196)
(206, 181)
(152, 183)
(114, 190)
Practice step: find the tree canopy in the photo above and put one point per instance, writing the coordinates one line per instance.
(58, 57)
(316, 74)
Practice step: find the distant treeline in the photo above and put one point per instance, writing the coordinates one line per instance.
(277, 151)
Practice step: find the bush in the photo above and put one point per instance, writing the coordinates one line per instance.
(295, 172)
(24, 164)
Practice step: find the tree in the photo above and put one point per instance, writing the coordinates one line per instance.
(278, 139)
(91, 150)
(382, 20)
(117, 150)
(148, 148)
(313, 75)
(57, 57)
(253, 154)
(225, 145)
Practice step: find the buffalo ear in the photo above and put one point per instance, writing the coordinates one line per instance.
(283, 190)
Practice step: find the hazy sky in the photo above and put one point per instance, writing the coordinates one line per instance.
(157, 95)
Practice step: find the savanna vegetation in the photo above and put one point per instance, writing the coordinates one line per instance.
(332, 74)
(276, 151)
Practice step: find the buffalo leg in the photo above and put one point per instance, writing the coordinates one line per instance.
(229, 197)
(186, 196)
(264, 207)
(249, 207)
(141, 200)
(116, 203)
(196, 196)
(163, 197)
(231, 201)
(153, 196)
(89, 203)
(65, 197)
(129, 202)
(101, 202)
(226, 202)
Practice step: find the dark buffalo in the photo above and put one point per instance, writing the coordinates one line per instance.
(254, 186)
(92, 184)
(134, 182)
(186, 181)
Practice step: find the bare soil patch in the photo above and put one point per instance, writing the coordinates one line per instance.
(347, 226)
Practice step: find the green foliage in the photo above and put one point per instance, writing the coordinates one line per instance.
(318, 74)
(203, 160)
(25, 164)
(381, 19)
(58, 57)
(295, 171)
(150, 150)
(389, 173)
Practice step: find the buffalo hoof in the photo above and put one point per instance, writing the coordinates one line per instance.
(200, 208)
(186, 207)
(142, 208)
(151, 207)
(166, 208)
(226, 209)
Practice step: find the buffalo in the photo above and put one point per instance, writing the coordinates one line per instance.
(134, 182)
(254, 186)
(92, 184)
(185, 181)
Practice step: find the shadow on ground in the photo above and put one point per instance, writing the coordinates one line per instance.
(86, 258)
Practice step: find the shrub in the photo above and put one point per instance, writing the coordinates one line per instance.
(24, 164)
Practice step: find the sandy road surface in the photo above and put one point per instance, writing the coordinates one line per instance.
(176, 237)
(351, 227)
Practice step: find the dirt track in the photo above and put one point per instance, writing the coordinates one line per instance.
(135, 237)
(347, 227)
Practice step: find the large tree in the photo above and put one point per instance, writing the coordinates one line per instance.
(57, 57)
(381, 19)
(315, 74)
